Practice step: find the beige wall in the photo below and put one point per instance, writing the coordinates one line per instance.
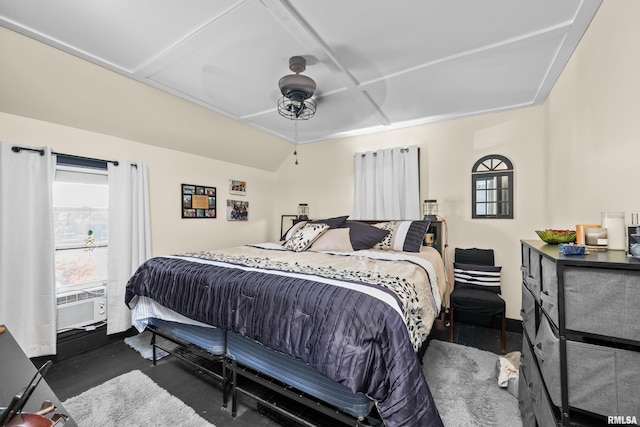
(593, 118)
(167, 170)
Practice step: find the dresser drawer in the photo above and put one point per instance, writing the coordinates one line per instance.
(526, 264)
(526, 393)
(549, 289)
(528, 312)
(542, 407)
(603, 301)
(602, 380)
(526, 357)
(525, 260)
(531, 270)
(525, 402)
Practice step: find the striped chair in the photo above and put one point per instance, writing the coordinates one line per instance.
(477, 287)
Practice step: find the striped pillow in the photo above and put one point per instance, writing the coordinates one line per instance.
(406, 236)
(475, 276)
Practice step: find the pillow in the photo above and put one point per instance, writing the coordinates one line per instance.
(292, 230)
(364, 236)
(406, 236)
(336, 239)
(387, 242)
(474, 256)
(304, 237)
(336, 222)
(485, 277)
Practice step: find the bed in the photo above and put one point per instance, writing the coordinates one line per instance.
(339, 310)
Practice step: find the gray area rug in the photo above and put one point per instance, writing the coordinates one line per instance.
(142, 344)
(464, 384)
(131, 400)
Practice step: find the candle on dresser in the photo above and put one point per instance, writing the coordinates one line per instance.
(615, 225)
(580, 236)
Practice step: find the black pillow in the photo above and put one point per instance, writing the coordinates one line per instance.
(364, 236)
(474, 256)
(335, 222)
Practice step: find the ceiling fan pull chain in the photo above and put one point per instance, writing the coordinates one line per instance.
(295, 140)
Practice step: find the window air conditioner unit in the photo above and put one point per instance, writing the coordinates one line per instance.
(77, 309)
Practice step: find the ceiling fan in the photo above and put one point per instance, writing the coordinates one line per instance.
(297, 89)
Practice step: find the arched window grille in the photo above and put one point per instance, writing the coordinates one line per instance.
(492, 187)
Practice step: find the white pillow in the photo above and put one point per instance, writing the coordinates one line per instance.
(305, 237)
(336, 239)
(293, 229)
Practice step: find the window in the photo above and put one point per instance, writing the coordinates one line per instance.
(492, 187)
(80, 202)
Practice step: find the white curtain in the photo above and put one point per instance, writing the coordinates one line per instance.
(27, 260)
(387, 184)
(129, 236)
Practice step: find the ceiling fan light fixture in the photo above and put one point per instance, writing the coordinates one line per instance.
(297, 90)
(295, 109)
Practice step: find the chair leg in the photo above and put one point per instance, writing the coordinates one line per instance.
(450, 324)
(503, 337)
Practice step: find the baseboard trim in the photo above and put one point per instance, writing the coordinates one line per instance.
(514, 325)
(78, 341)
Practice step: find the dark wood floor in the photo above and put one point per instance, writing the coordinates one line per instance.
(76, 374)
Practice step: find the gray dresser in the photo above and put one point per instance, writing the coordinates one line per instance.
(581, 341)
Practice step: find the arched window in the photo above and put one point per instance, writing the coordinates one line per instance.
(492, 187)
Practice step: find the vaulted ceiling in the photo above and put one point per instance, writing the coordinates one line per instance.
(378, 64)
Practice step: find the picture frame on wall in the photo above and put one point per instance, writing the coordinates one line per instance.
(237, 210)
(237, 187)
(198, 201)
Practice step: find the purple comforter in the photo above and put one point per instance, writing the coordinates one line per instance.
(347, 335)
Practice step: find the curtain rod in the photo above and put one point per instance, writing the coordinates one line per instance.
(17, 149)
(375, 153)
